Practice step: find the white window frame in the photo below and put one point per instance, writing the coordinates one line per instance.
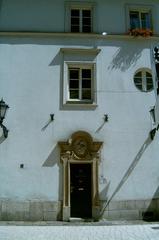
(80, 6)
(144, 80)
(78, 57)
(81, 65)
(141, 9)
(81, 18)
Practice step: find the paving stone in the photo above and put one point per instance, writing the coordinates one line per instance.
(115, 232)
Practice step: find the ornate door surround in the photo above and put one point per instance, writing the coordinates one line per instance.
(80, 148)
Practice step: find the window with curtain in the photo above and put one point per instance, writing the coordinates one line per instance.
(140, 19)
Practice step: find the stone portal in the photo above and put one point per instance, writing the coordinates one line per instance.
(80, 149)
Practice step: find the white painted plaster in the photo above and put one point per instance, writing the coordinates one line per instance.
(30, 83)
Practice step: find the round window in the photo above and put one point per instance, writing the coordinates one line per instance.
(143, 80)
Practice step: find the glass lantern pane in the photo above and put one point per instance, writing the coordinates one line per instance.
(3, 108)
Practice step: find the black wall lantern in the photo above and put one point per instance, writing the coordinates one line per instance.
(3, 109)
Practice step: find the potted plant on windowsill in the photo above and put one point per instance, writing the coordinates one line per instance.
(140, 32)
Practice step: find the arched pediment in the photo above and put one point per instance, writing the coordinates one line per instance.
(80, 146)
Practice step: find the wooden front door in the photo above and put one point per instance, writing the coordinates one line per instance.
(81, 190)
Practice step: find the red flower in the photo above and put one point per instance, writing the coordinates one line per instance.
(140, 32)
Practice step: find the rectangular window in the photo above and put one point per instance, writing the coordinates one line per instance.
(80, 83)
(140, 19)
(81, 20)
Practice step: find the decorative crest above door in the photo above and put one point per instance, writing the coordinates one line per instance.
(80, 146)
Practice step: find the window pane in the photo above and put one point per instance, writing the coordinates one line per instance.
(138, 80)
(75, 12)
(149, 85)
(74, 84)
(139, 75)
(74, 94)
(134, 19)
(143, 81)
(86, 84)
(75, 29)
(80, 83)
(138, 83)
(86, 94)
(86, 29)
(74, 73)
(145, 20)
(86, 13)
(86, 73)
(148, 75)
(149, 81)
(75, 20)
(86, 21)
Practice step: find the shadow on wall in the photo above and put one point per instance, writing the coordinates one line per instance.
(128, 172)
(57, 59)
(152, 208)
(103, 195)
(52, 160)
(2, 138)
(125, 57)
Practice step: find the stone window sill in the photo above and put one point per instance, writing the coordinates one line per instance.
(79, 106)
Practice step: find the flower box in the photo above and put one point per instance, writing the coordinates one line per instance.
(140, 32)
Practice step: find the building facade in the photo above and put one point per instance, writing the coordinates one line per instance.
(80, 79)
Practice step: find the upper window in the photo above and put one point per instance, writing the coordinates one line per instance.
(81, 20)
(143, 80)
(140, 19)
(80, 17)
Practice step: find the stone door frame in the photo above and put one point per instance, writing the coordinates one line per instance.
(81, 149)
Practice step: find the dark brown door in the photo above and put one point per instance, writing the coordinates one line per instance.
(80, 196)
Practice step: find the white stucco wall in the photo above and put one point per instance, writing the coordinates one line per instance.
(48, 16)
(30, 83)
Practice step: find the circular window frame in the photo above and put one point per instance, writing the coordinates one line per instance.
(143, 71)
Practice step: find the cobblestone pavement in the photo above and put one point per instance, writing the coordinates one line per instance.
(79, 231)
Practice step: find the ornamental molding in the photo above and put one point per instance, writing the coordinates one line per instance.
(75, 35)
(80, 146)
(92, 51)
